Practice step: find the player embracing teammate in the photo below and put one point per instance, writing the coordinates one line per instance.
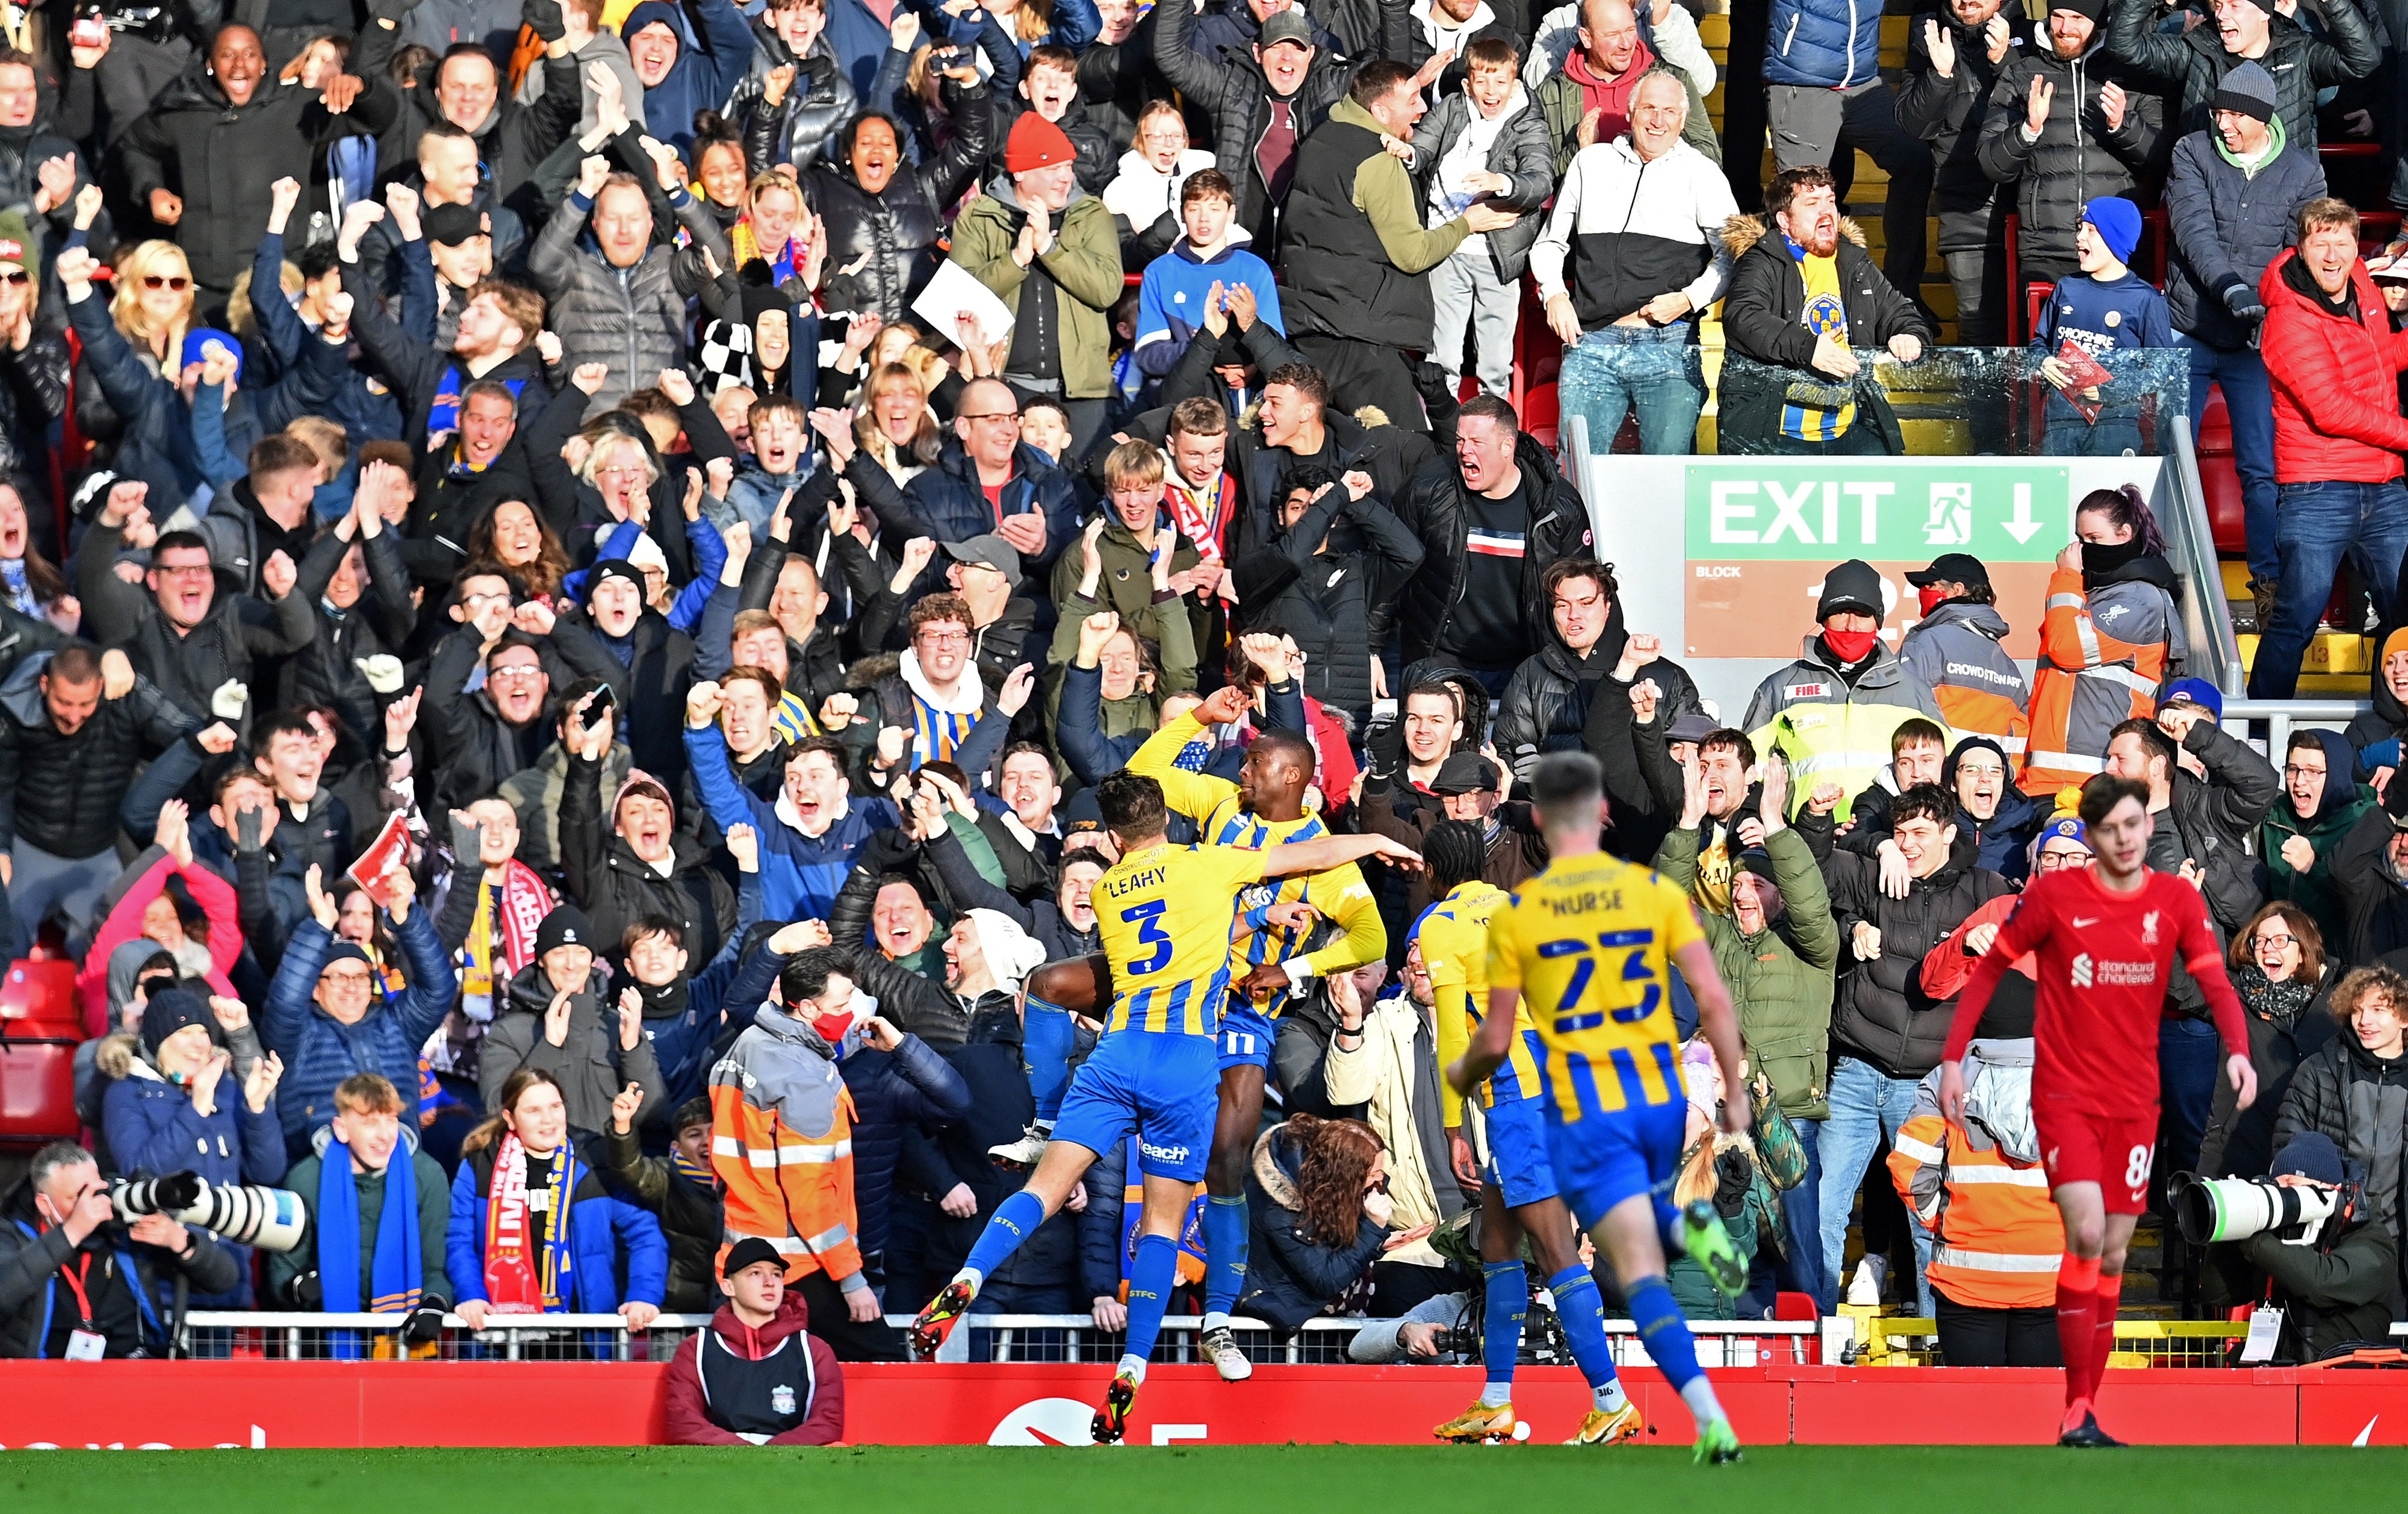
(2106, 938)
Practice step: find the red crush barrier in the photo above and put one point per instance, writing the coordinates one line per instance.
(170, 1405)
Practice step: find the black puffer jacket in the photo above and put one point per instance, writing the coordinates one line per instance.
(2076, 156)
(2301, 62)
(2361, 1102)
(61, 793)
(890, 239)
(189, 667)
(1546, 707)
(224, 157)
(1431, 507)
(1946, 113)
(617, 888)
(820, 100)
(2371, 891)
(1324, 599)
(1883, 1016)
(650, 687)
(2226, 227)
(1230, 89)
(378, 624)
(1761, 320)
(2216, 816)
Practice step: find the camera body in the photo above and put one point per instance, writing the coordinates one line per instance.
(2213, 1210)
(270, 1219)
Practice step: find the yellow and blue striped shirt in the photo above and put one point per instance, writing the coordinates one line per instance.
(1589, 943)
(1222, 819)
(1163, 914)
(1453, 934)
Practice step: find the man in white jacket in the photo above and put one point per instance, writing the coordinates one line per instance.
(1631, 257)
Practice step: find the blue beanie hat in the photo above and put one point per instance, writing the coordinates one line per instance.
(2198, 692)
(2063, 828)
(2117, 222)
(2311, 1154)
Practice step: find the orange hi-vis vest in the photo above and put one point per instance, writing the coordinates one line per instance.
(2102, 659)
(1997, 1238)
(781, 1146)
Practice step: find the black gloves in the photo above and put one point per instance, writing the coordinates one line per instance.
(544, 18)
(249, 829)
(1734, 1175)
(2244, 302)
(425, 1323)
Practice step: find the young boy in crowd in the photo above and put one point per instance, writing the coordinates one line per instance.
(1210, 263)
(1488, 142)
(2104, 309)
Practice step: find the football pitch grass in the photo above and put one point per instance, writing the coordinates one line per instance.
(1305, 1479)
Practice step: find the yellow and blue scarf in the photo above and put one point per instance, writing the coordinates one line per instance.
(394, 1279)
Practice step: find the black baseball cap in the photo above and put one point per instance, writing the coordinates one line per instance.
(750, 1253)
(1464, 772)
(1951, 567)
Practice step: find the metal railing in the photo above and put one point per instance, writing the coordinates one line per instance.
(2282, 715)
(997, 1338)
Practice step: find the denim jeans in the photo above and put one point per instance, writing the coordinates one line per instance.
(1655, 370)
(2190, 1058)
(2249, 402)
(1866, 1109)
(2318, 524)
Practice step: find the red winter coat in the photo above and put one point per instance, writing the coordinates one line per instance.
(689, 1416)
(2336, 396)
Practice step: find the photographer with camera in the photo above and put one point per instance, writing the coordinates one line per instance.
(78, 1284)
(2354, 1091)
(2331, 1272)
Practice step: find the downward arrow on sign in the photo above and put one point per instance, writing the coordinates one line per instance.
(2023, 526)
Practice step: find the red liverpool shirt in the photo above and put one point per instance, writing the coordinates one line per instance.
(2105, 962)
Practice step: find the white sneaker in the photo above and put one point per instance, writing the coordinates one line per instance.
(1231, 1362)
(1024, 1151)
(1873, 1276)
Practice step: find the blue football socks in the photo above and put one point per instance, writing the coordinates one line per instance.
(1225, 1256)
(1153, 1273)
(1015, 1220)
(1047, 1036)
(1583, 1315)
(1501, 1333)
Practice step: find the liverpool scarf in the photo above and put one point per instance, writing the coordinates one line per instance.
(517, 1282)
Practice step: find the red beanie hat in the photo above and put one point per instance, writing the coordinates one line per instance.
(1035, 143)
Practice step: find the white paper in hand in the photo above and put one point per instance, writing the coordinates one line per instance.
(954, 291)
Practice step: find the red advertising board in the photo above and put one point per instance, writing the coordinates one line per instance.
(198, 1404)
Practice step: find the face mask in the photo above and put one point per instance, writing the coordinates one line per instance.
(1929, 599)
(1851, 646)
(2106, 557)
(832, 1027)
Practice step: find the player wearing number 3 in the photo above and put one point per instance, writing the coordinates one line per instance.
(2107, 936)
(1164, 913)
(1590, 941)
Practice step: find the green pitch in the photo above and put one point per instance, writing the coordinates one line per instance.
(1305, 1479)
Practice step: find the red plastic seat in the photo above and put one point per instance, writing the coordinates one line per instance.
(1541, 415)
(38, 1091)
(2219, 480)
(38, 999)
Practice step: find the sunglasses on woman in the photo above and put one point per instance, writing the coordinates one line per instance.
(15, 276)
(175, 281)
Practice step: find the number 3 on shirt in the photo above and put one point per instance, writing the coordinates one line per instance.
(1147, 917)
(1569, 1020)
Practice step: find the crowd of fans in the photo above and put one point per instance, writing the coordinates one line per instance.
(511, 445)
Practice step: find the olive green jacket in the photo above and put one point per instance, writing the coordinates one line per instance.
(1084, 261)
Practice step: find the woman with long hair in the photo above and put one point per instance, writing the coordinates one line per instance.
(2277, 966)
(1317, 1200)
(515, 534)
(2111, 636)
(28, 583)
(894, 426)
(532, 1230)
(128, 393)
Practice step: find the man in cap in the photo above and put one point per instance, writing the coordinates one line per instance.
(1956, 649)
(757, 1377)
(1353, 253)
(1830, 713)
(1051, 254)
(2233, 198)
(2066, 126)
(986, 572)
(1262, 100)
(2197, 57)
